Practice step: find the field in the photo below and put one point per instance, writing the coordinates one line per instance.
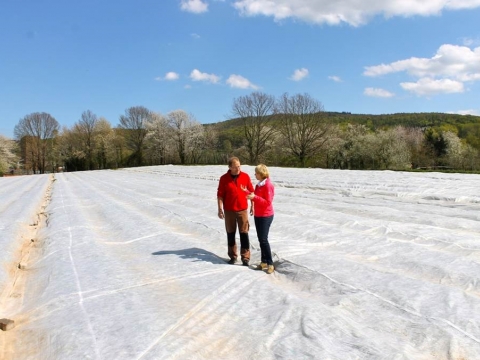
(130, 264)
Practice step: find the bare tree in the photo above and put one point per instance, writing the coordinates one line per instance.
(255, 110)
(86, 129)
(302, 125)
(38, 132)
(134, 123)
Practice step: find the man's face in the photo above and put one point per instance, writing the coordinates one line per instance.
(235, 168)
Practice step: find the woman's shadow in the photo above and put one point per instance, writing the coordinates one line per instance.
(194, 253)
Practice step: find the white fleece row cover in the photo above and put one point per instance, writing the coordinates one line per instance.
(369, 265)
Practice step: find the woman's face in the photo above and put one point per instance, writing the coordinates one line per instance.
(258, 176)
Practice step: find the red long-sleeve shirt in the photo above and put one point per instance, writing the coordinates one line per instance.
(230, 191)
(263, 199)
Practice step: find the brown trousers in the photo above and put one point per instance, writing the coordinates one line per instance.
(232, 220)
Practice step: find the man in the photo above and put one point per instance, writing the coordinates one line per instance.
(233, 206)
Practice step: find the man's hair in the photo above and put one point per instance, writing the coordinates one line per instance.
(232, 160)
(262, 170)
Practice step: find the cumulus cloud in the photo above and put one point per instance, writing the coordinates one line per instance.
(445, 72)
(335, 78)
(352, 12)
(169, 76)
(378, 93)
(197, 75)
(238, 81)
(299, 74)
(194, 6)
(428, 86)
(458, 62)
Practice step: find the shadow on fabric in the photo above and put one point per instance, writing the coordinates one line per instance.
(196, 254)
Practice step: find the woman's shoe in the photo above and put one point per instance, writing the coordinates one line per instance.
(270, 269)
(262, 266)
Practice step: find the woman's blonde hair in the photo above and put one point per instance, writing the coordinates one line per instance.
(262, 170)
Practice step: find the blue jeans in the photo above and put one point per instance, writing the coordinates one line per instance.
(263, 227)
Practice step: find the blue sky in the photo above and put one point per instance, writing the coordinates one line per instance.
(375, 57)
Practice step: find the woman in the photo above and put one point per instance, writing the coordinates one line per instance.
(263, 214)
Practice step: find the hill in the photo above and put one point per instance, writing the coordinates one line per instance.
(466, 126)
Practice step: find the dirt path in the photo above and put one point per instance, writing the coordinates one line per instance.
(12, 296)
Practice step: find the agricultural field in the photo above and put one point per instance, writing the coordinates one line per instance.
(131, 264)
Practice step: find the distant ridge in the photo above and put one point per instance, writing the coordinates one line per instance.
(424, 119)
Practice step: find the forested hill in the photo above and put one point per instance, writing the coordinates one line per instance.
(385, 120)
(466, 127)
(404, 119)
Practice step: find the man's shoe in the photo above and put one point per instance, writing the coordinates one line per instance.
(262, 266)
(232, 261)
(270, 269)
(245, 262)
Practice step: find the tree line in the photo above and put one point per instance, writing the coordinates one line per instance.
(291, 130)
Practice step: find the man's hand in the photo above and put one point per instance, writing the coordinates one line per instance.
(221, 215)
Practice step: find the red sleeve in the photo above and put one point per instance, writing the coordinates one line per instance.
(221, 188)
(250, 187)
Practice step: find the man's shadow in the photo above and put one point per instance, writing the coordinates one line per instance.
(194, 253)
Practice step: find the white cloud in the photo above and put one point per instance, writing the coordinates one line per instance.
(471, 42)
(458, 62)
(169, 76)
(443, 73)
(466, 112)
(428, 86)
(335, 78)
(353, 12)
(194, 6)
(378, 93)
(188, 86)
(195, 36)
(196, 75)
(299, 74)
(238, 81)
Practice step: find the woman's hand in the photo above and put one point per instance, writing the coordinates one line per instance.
(250, 196)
